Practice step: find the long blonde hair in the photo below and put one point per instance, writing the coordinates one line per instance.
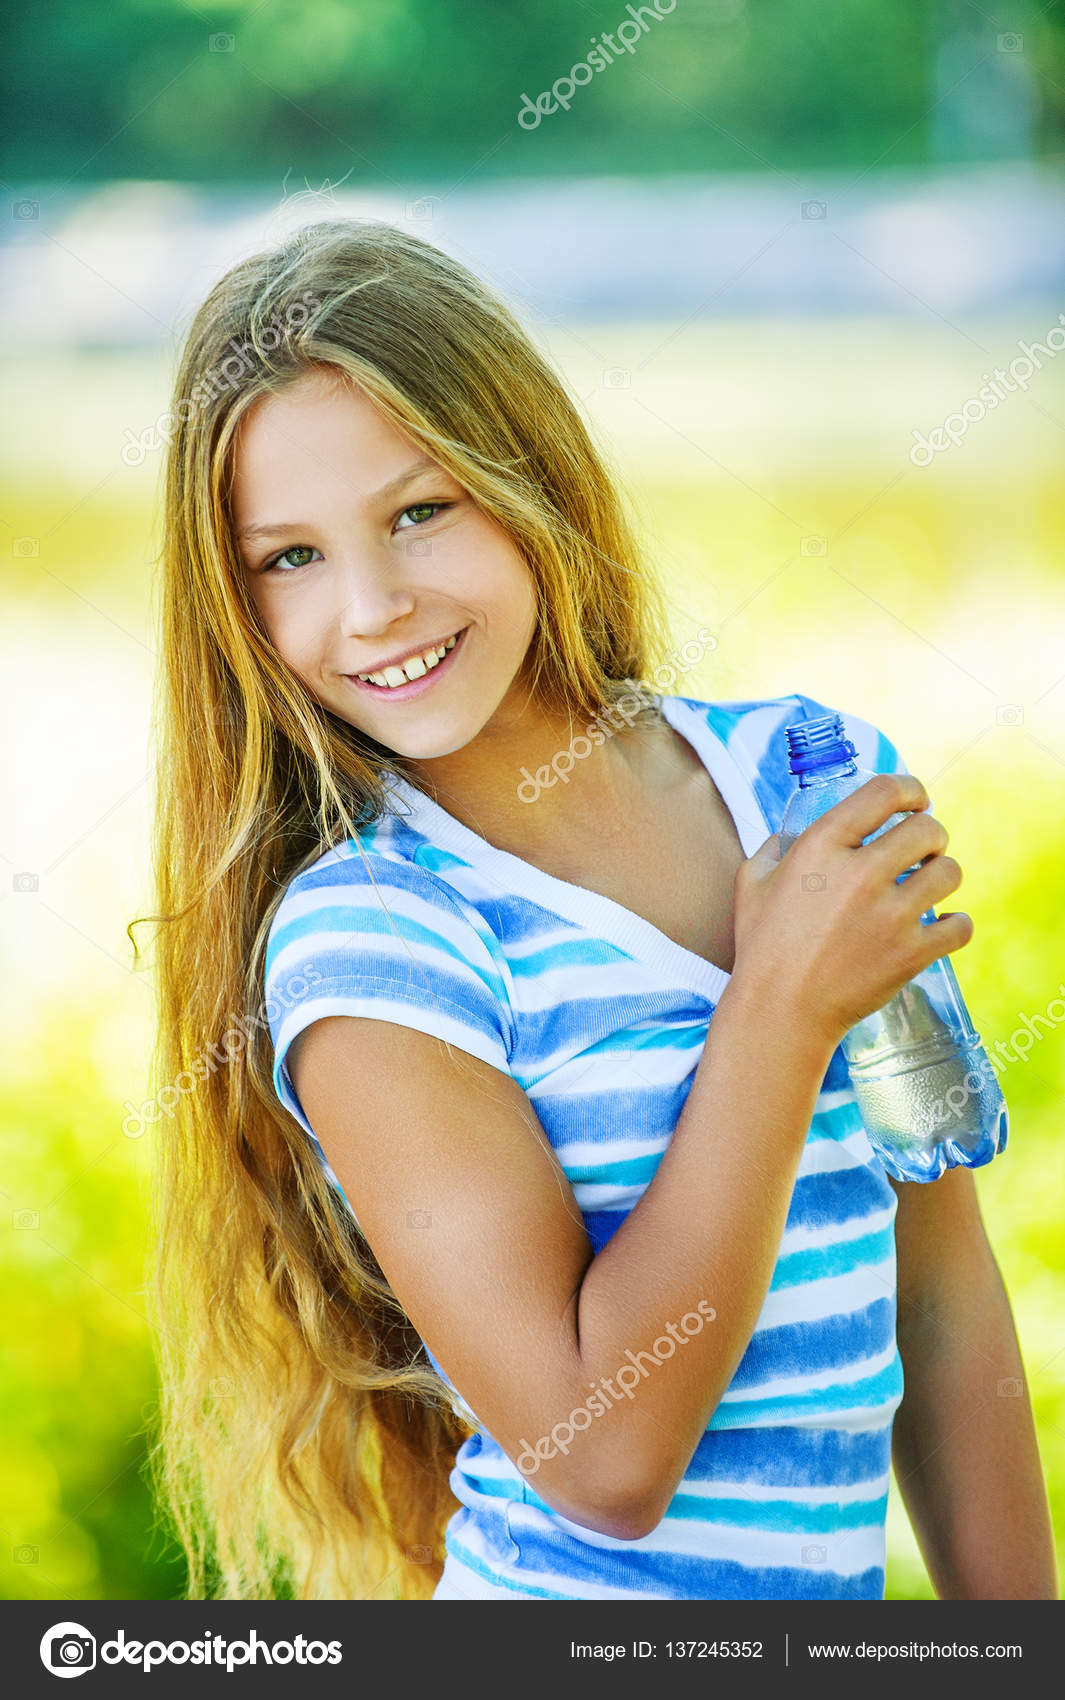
(303, 1442)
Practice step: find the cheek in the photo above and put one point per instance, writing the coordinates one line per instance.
(516, 596)
(496, 574)
(296, 635)
(526, 602)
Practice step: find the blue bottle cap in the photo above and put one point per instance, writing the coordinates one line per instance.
(818, 743)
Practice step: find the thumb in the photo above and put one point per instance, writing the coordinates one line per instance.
(764, 859)
(768, 853)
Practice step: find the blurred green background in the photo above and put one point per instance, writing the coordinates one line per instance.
(758, 395)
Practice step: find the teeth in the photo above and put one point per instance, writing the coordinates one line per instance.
(415, 668)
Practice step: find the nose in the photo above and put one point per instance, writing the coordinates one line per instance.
(372, 596)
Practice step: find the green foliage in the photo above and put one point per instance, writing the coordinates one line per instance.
(322, 89)
(77, 1382)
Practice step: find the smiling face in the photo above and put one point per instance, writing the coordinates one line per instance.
(369, 559)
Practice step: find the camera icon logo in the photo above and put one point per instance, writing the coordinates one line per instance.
(419, 1219)
(813, 882)
(68, 1649)
(814, 1555)
(617, 378)
(814, 209)
(813, 546)
(1009, 714)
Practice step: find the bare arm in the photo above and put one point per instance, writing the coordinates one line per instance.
(964, 1444)
(500, 1280)
(476, 1228)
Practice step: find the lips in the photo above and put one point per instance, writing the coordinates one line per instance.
(387, 691)
(412, 667)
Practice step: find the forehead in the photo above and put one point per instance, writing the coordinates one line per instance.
(320, 400)
(320, 432)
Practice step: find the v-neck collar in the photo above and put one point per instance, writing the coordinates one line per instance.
(590, 910)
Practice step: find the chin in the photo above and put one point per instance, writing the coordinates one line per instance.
(425, 749)
(429, 743)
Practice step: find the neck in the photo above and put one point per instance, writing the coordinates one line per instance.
(521, 782)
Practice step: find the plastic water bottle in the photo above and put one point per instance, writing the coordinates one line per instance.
(927, 1093)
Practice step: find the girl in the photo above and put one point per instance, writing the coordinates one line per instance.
(524, 1241)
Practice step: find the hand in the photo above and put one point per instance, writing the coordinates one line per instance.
(826, 928)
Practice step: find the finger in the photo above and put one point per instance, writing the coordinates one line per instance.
(931, 882)
(851, 821)
(910, 840)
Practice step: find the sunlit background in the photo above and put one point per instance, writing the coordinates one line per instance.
(772, 249)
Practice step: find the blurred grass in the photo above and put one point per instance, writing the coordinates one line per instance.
(779, 501)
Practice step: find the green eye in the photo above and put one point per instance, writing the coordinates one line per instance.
(429, 508)
(296, 549)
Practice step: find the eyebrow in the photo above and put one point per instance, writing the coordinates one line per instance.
(276, 528)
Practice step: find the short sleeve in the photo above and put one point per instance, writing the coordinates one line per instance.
(366, 934)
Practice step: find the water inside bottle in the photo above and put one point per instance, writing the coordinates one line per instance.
(921, 1121)
(925, 1089)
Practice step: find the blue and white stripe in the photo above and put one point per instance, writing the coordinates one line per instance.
(601, 1019)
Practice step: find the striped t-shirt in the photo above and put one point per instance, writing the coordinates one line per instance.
(601, 1019)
